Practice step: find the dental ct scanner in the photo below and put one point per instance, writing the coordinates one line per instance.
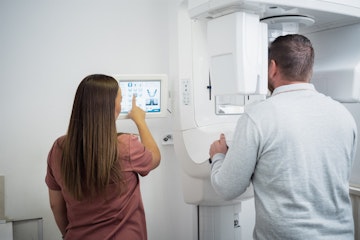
(222, 67)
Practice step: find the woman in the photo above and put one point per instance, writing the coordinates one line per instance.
(92, 172)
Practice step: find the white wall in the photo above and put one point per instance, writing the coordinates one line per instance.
(334, 49)
(354, 108)
(46, 49)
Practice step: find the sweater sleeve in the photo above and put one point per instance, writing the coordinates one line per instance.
(231, 173)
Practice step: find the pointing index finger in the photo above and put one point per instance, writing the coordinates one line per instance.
(134, 100)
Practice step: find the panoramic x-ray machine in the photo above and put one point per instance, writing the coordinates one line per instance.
(222, 67)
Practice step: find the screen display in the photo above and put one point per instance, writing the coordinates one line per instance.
(148, 95)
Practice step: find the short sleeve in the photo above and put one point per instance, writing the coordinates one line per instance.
(53, 156)
(140, 157)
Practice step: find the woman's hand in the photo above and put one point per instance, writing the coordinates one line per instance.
(136, 114)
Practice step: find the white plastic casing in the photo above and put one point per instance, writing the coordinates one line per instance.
(237, 48)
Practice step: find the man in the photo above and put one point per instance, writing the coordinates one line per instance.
(297, 149)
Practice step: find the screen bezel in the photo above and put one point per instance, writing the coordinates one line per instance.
(145, 78)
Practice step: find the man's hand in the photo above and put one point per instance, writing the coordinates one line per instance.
(218, 146)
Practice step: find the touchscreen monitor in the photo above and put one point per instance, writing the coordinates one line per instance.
(149, 90)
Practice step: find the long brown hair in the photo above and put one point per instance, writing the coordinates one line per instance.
(89, 161)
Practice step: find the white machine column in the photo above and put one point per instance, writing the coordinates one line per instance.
(220, 222)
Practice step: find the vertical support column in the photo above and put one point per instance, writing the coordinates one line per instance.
(355, 200)
(2, 197)
(220, 222)
(40, 229)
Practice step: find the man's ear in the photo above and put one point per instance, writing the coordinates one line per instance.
(272, 69)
